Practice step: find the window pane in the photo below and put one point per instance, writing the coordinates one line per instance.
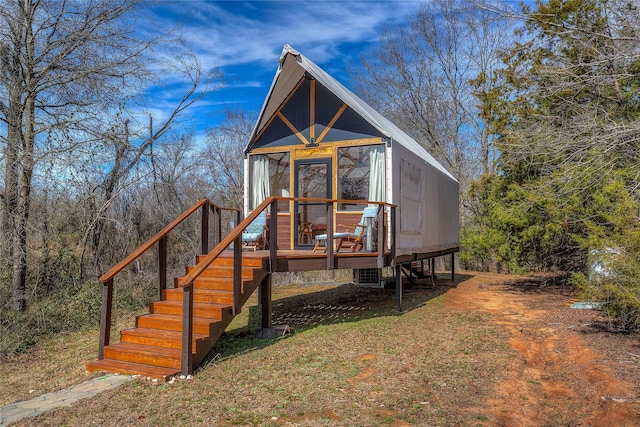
(278, 171)
(354, 170)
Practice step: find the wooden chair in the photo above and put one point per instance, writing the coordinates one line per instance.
(305, 233)
(255, 235)
(354, 238)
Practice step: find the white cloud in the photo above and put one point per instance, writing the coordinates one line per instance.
(235, 32)
(245, 38)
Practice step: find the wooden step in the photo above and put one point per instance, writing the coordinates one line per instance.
(209, 311)
(169, 322)
(208, 296)
(223, 271)
(143, 354)
(227, 260)
(128, 368)
(215, 283)
(159, 338)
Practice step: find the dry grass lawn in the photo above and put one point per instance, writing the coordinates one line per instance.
(352, 361)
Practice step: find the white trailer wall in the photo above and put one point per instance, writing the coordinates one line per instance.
(427, 217)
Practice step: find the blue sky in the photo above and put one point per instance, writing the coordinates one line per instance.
(245, 38)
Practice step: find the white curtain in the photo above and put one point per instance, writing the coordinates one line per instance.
(377, 175)
(260, 188)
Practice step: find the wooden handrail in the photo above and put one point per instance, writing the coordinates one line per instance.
(155, 239)
(161, 240)
(225, 243)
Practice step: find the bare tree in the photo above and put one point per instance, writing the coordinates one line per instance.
(225, 145)
(66, 66)
(428, 77)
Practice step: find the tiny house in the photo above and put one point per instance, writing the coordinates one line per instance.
(315, 139)
(318, 156)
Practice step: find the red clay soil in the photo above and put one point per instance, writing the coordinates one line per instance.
(568, 369)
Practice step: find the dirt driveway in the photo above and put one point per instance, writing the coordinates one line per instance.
(568, 370)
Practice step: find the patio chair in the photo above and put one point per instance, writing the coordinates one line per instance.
(305, 234)
(255, 235)
(355, 238)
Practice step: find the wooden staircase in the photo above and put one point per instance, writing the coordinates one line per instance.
(154, 347)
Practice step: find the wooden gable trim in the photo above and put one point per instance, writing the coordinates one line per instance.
(331, 123)
(341, 143)
(278, 112)
(292, 127)
(312, 110)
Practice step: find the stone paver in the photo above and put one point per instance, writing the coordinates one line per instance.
(43, 403)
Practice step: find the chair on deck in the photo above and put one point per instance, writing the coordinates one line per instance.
(355, 238)
(255, 235)
(305, 234)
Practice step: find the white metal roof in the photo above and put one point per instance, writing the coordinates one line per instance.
(293, 66)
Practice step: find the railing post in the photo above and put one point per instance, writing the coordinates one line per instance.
(204, 229)
(273, 236)
(237, 271)
(162, 267)
(381, 228)
(217, 225)
(329, 243)
(392, 243)
(186, 363)
(105, 317)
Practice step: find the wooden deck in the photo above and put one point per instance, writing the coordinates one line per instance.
(307, 260)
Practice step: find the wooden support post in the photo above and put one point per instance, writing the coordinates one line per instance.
(237, 275)
(392, 243)
(204, 229)
(399, 287)
(273, 236)
(331, 261)
(432, 271)
(162, 267)
(265, 301)
(186, 363)
(453, 266)
(105, 317)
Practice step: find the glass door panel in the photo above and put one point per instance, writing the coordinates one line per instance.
(312, 181)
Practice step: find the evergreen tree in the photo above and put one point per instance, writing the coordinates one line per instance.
(567, 126)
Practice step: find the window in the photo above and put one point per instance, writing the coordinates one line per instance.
(361, 175)
(270, 177)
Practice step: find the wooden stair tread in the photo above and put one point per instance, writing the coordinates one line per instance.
(196, 291)
(174, 318)
(144, 349)
(202, 295)
(203, 305)
(117, 366)
(161, 333)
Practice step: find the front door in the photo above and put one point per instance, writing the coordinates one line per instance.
(312, 181)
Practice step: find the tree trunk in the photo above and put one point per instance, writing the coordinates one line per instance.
(23, 203)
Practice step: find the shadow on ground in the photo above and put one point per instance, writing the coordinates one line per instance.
(543, 283)
(335, 304)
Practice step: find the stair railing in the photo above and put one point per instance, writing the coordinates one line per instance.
(205, 207)
(233, 238)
